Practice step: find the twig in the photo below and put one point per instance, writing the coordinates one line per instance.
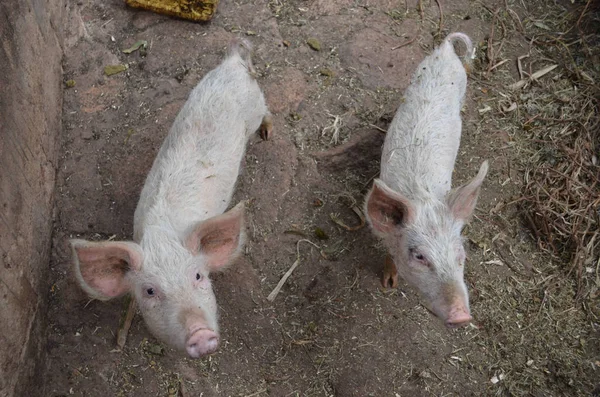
(276, 290)
(421, 9)
(369, 181)
(519, 66)
(256, 393)
(441, 18)
(490, 44)
(182, 389)
(405, 44)
(335, 127)
(499, 64)
(583, 13)
(378, 128)
(360, 215)
(126, 323)
(540, 73)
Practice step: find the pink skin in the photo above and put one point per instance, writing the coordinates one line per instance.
(179, 305)
(459, 317)
(181, 230)
(201, 340)
(201, 343)
(412, 207)
(424, 243)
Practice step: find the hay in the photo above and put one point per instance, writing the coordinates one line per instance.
(539, 327)
(563, 174)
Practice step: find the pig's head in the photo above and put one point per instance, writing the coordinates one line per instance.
(168, 277)
(424, 240)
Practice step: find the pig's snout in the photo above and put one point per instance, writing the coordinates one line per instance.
(201, 342)
(459, 317)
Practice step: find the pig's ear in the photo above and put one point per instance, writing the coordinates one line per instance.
(220, 239)
(386, 210)
(462, 201)
(100, 268)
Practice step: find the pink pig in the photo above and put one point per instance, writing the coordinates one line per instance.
(181, 230)
(411, 207)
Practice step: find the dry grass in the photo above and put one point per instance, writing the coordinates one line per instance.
(541, 327)
(561, 199)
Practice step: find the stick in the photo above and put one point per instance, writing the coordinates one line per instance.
(276, 290)
(490, 50)
(360, 215)
(126, 323)
(535, 76)
(441, 18)
(182, 389)
(378, 128)
(405, 44)
(519, 66)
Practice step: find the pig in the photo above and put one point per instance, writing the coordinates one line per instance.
(181, 230)
(411, 206)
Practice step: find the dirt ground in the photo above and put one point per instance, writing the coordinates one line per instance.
(332, 331)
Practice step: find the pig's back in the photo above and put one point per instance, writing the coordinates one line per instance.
(423, 139)
(195, 171)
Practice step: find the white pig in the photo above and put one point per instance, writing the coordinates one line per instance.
(411, 207)
(181, 233)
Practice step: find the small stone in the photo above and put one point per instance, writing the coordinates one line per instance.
(314, 44)
(286, 43)
(87, 134)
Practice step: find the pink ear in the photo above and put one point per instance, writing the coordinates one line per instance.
(220, 238)
(462, 201)
(386, 209)
(100, 268)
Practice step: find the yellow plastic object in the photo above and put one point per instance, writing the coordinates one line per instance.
(195, 10)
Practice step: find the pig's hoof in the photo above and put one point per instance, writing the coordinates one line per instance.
(266, 128)
(389, 280)
(390, 274)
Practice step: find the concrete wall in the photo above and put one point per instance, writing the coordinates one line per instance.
(30, 114)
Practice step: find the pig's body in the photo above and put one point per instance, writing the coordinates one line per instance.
(411, 207)
(422, 141)
(181, 232)
(196, 169)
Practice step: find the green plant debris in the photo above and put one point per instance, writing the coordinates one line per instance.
(155, 348)
(130, 133)
(314, 44)
(296, 232)
(320, 234)
(110, 70)
(70, 83)
(327, 72)
(141, 45)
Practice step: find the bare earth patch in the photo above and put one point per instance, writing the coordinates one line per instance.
(533, 267)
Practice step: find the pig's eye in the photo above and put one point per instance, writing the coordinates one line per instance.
(198, 277)
(150, 291)
(417, 255)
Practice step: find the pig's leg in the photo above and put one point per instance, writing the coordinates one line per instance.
(390, 273)
(266, 127)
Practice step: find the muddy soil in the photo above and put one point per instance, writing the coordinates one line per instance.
(333, 330)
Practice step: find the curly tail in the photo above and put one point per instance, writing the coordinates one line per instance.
(466, 40)
(242, 48)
